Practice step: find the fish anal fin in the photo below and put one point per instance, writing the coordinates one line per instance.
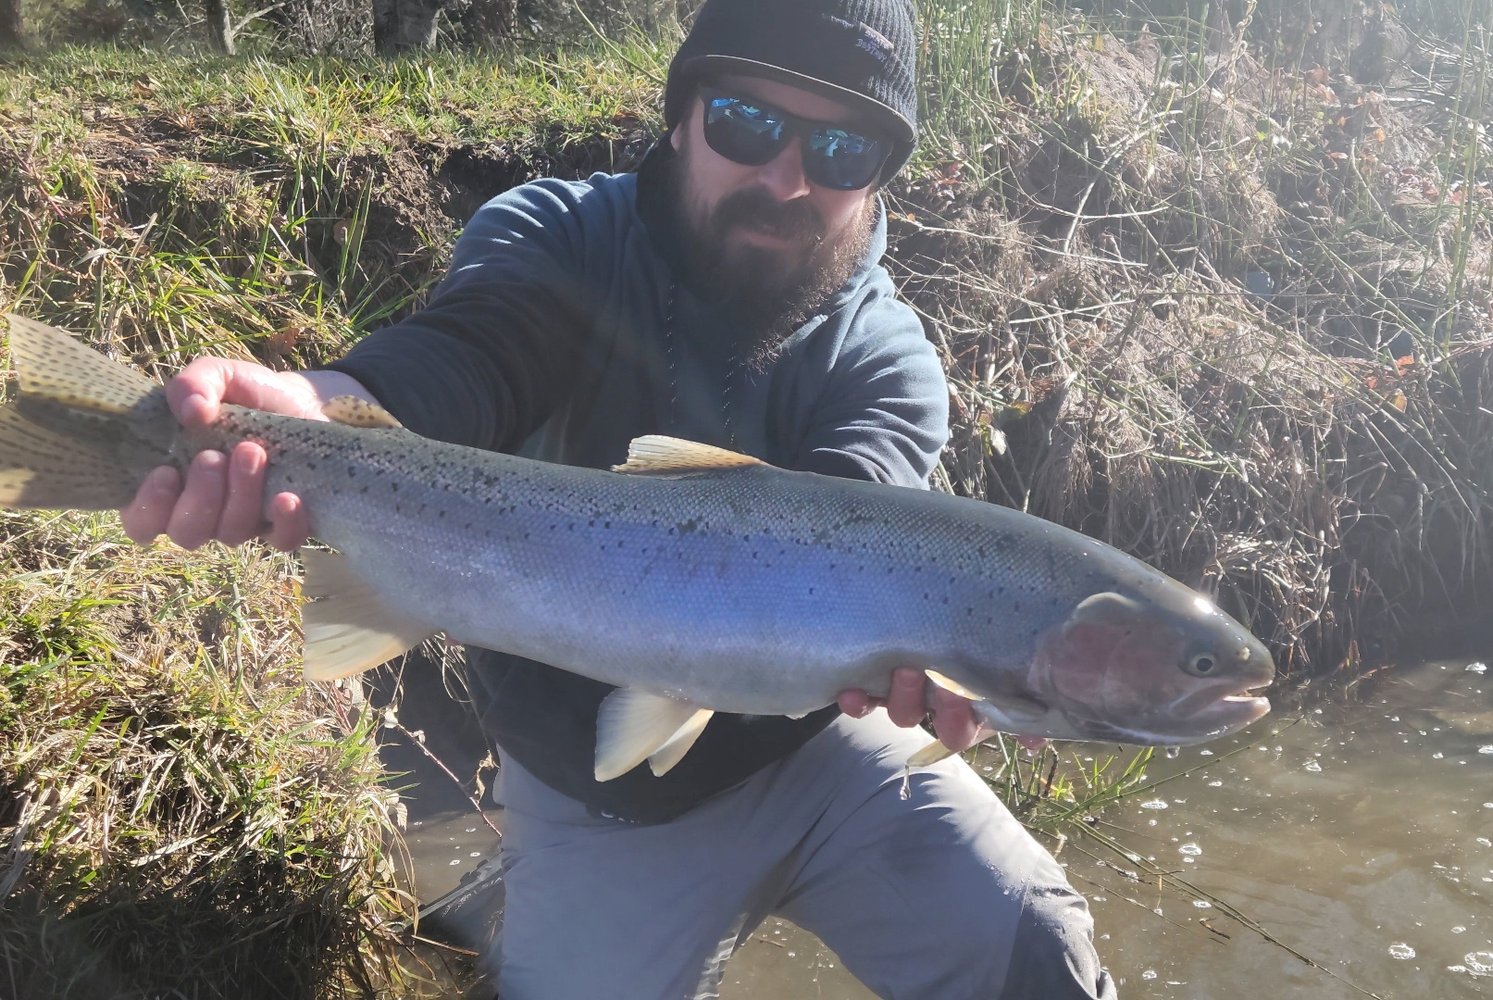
(349, 628)
(633, 725)
(355, 411)
(654, 454)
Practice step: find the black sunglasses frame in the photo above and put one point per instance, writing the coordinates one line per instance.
(817, 166)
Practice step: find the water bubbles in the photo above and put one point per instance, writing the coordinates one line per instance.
(1438, 755)
(1477, 668)
(454, 862)
(1202, 904)
(1190, 849)
(1479, 963)
(1487, 750)
(1206, 753)
(1401, 951)
(1488, 805)
(1216, 783)
(1313, 766)
(1149, 974)
(1154, 804)
(1459, 929)
(1172, 753)
(1484, 841)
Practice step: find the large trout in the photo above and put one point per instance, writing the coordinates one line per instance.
(695, 579)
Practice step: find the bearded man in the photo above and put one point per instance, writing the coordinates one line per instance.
(728, 292)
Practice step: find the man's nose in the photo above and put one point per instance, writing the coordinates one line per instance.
(783, 175)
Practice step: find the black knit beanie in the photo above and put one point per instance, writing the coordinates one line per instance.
(860, 52)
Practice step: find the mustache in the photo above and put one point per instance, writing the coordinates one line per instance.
(754, 207)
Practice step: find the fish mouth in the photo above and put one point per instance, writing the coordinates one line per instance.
(1225, 713)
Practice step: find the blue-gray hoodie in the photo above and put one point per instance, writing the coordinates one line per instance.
(563, 331)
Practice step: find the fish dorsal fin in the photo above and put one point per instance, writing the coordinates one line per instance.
(54, 365)
(355, 411)
(654, 454)
(634, 725)
(349, 628)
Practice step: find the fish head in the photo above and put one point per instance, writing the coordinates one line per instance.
(1156, 665)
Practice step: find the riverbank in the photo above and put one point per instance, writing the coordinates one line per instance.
(1202, 292)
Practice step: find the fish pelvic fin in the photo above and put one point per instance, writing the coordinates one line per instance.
(83, 431)
(633, 726)
(658, 454)
(349, 628)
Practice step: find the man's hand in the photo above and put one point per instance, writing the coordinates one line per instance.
(222, 496)
(911, 698)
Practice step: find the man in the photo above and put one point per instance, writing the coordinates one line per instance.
(729, 292)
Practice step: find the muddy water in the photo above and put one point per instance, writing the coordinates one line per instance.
(1357, 834)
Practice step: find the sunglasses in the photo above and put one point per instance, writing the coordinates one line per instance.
(751, 133)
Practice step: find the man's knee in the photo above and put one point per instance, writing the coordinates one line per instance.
(1052, 952)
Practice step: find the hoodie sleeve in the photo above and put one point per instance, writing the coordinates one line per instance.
(485, 362)
(883, 413)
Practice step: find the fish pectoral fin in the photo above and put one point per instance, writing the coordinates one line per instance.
(349, 628)
(355, 411)
(930, 754)
(634, 725)
(658, 454)
(949, 684)
(1010, 713)
(1105, 608)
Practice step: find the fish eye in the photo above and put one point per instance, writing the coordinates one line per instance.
(1201, 665)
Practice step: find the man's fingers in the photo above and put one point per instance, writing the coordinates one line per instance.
(242, 517)
(290, 525)
(147, 515)
(953, 720)
(906, 698)
(857, 704)
(195, 519)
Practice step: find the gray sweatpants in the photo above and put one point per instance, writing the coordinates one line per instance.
(939, 896)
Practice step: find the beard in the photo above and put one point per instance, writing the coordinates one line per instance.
(771, 290)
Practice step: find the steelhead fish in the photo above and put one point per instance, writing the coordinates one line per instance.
(693, 578)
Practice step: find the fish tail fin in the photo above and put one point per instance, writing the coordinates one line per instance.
(83, 431)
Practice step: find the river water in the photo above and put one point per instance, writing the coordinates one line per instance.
(1341, 850)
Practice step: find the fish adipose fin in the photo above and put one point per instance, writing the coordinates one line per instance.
(83, 430)
(357, 412)
(656, 454)
(633, 726)
(348, 627)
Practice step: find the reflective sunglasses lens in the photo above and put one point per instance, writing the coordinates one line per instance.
(742, 132)
(842, 160)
